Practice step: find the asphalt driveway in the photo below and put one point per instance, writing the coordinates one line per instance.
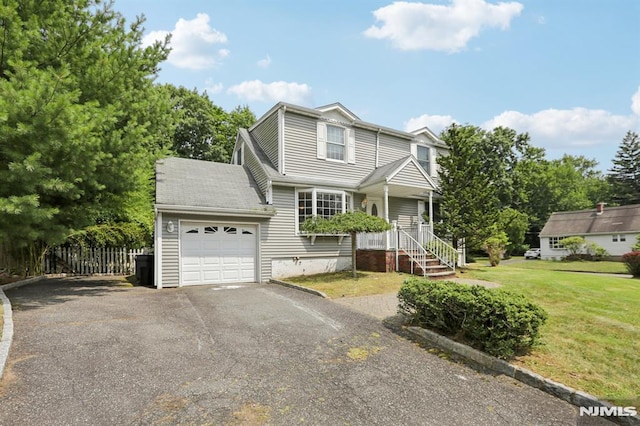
(89, 351)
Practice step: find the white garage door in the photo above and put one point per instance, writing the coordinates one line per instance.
(217, 253)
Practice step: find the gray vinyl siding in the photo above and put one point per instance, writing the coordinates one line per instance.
(171, 247)
(266, 134)
(301, 159)
(281, 234)
(170, 253)
(258, 174)
(410, 175)
(392, 149)
(404, 210)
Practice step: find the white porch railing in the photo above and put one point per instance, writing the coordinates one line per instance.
(422, 234)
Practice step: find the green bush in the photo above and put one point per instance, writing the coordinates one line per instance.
(632, 262)
(500, 323)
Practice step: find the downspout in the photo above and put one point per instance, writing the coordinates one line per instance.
(377, 147)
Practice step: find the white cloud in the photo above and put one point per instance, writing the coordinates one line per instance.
(276, 91)
(265, 63)
(435, 123)
(193, 43)
(212, 87)
(418, 26)
(635, 102)
(555, 128)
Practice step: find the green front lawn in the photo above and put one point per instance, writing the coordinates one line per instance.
(603, 266)
(592, 339)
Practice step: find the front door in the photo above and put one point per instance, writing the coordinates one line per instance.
(375, 207)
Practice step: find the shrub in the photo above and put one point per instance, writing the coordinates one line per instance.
(495, 246)
(497, 322)
(632, 262)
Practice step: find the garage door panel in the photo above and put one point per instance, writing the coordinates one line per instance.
(213, 253)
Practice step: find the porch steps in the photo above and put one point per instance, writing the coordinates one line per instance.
(433, 268)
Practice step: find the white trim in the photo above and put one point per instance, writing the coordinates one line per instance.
(157, 252)
(281, 146)
(314, 202)
(257, 262)
(166, 208)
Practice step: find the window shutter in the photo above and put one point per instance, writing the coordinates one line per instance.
(351, 146)
(321, 142)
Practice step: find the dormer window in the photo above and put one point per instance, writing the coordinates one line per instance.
(336, 143)
(423, 154)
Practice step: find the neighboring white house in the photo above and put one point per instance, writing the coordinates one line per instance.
(613, 228)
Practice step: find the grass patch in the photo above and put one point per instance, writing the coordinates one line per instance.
(605, 267)
(592, 337)
(342, 284)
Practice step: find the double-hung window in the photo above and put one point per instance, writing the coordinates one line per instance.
(321, 203)
(335, 143)
(423, 153)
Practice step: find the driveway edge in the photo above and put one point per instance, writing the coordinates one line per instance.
(7, 318)
(528, 377)
(299, 287)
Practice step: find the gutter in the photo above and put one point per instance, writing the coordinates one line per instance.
(167, 208)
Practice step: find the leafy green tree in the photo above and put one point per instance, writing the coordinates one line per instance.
(625, 173)
(81, 123)
(515, 225)
(346, 223)
(495, 247)
(204, 131)
(480, 176)
(636, 246)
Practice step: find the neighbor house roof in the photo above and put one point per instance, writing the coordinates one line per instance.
(623, 219)
(204, 186)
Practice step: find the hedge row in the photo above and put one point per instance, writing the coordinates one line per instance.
(498, 322)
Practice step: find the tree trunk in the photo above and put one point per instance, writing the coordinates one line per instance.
(354, 247)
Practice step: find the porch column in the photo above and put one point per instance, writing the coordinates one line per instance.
(431, 210)
(386, 202)
(387, 239)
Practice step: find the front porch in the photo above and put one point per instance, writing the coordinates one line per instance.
(415, 250)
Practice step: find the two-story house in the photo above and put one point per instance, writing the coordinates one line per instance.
(240, 222)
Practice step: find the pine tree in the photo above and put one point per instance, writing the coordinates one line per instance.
(625, 173)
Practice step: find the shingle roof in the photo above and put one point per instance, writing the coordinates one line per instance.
(612, 220)
(195, 183)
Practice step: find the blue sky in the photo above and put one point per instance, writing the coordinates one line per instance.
(566, 71)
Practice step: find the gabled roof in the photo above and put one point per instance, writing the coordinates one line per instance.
(385, 174)
(337, 106)
(622, 219)
(204, 186)
(356, 122)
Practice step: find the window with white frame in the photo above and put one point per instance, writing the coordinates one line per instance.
(423, 154)
(336, 143)
(321, 203)
(619, 238)
(556, 243)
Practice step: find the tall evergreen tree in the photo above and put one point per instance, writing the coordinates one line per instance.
(625, 173)
(80, 120)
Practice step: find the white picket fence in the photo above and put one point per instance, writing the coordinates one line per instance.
(90, 260)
